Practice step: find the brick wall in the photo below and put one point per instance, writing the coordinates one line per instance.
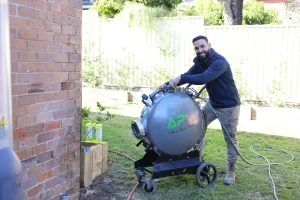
(46, 89)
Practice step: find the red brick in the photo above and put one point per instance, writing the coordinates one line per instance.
(36, 4)
(74, 76)
(18, 22)
(45, 77)
(33, 171)
(67, 122)
(45, 36)
(39, 149)
(37, 24)
(51, 87)
(68, 67)
(14, 56)
(27, 56)
(45, 15)
(19, 111)
(36, 46)
(35, 190)
(45, 57)
(17, 44)
(53, 67)
(36, 88)
(19, 133)
(79, 13)
(36, 108)
(45, 97)
(44, 117)
(44, 137)
(26, 120)
(66, 29)
(20, 2)
(27, 12)
(44, 176)
(53, 7)
(14, 100)
(61, 19)
(12, 9)
(75, 21)
(52, 106)
(74, 39)
(66, 2)
(53, 47)
(61, 57)
(60, 114)
(17, 67)
(61, 76)
(27, 78)
(74, 58)
(78, 85)
(24, 154)
(66, 10)
(78, 31)
(13, 33)
(27, 34)
(52, 125)
(60, 38)
(75, 4)
(36, 67)
(19, 89)
(62, 95)
(53, 27)
(44, 157)
(74, 94)
(27, 99)
(35, 129)
(67, 85)
(13, 79)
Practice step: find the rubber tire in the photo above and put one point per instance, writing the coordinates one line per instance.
(151, 191)
(200, 170)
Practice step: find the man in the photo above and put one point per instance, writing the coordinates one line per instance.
(212, 69)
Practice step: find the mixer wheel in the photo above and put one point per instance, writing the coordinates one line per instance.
(206, 174)
(152, 188)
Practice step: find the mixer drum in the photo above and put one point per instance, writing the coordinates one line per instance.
(175, 124)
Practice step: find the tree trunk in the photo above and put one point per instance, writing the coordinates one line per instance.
(232, 11)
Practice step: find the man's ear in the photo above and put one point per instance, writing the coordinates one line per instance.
(209, 45)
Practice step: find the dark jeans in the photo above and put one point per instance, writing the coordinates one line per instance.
(230, 119)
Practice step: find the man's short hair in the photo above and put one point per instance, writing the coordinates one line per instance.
(200, 37)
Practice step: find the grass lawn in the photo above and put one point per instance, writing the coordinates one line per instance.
(252, 182)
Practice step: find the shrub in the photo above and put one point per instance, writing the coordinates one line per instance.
(108, 8)
(211, 11)
(255, 13)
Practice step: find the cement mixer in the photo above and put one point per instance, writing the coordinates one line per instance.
(172, 127)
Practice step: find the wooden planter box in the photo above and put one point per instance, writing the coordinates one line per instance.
(93, 162)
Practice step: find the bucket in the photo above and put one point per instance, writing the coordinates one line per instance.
(64, 196)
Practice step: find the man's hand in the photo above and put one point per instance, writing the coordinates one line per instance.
(173, 83)
(162, 86)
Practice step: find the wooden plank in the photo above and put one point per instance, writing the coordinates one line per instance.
(105, 157)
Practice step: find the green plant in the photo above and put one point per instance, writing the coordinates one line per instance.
(277, 91)
(100, 116)
(92, 66)
(255, 13)
(211, 11)
(85, 112)
(108, 8)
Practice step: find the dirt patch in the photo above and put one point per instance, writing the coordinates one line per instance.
(258, 195)
(108, 186)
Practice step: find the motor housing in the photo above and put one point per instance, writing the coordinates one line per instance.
(171, 122)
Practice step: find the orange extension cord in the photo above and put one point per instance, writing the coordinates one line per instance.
(129, 158)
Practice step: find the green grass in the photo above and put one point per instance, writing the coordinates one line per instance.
(252, 182)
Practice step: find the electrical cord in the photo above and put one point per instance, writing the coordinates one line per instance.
(254, 164)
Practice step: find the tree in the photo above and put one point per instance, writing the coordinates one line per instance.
(232, 11)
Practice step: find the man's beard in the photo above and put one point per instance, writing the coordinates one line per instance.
(203, 55)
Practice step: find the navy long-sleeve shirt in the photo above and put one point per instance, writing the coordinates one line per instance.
(218, 78)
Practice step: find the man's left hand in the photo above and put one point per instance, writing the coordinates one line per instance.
(173, 83)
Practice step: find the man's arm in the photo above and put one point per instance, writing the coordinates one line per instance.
(214, 71)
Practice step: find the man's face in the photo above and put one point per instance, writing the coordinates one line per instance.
(201, 48)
